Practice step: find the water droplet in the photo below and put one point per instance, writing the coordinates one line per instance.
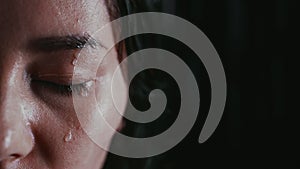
(86, 88)
(74, 62)
(27, 124)
(68, 136)
(75, 59)
(88, 85)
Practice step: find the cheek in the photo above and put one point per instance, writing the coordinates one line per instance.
(97, 113)
(80, 127)
(61, 142)
(111, 100)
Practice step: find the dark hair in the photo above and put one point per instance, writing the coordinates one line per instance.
(139, 90)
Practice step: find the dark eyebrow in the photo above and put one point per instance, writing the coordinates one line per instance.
(69, 42)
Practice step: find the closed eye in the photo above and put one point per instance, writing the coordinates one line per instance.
(62, 89)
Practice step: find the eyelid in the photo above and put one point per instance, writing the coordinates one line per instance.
(65, 79)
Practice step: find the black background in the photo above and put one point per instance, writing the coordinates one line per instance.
(255, 40)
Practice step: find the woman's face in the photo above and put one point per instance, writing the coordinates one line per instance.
(40, 42)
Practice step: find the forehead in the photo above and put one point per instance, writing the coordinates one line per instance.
(51, 17)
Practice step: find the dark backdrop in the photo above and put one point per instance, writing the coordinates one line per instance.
(254, 40)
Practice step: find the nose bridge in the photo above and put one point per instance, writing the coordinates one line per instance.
(10, 104)
(15, 137)
(9, 83)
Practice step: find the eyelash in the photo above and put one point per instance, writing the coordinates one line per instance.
(64, 90)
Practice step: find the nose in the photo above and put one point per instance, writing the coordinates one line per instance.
(16, 139)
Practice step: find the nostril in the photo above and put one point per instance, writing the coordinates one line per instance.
(13, 157)
(10, 158)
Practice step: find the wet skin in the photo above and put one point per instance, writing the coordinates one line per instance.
(40, 41)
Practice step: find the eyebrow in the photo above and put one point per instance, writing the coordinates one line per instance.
(69, 42)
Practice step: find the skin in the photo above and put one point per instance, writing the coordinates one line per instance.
(39, 127)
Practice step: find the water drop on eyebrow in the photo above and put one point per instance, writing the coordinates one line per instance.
(68, 137)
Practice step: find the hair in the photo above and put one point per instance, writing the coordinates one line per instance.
(139, 89)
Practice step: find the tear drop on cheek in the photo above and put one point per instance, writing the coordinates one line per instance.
(68, 137)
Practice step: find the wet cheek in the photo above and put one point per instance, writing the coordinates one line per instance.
(60, 142)
(90, 111)
(107, 105)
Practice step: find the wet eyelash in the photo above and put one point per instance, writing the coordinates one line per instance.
(65, 90)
